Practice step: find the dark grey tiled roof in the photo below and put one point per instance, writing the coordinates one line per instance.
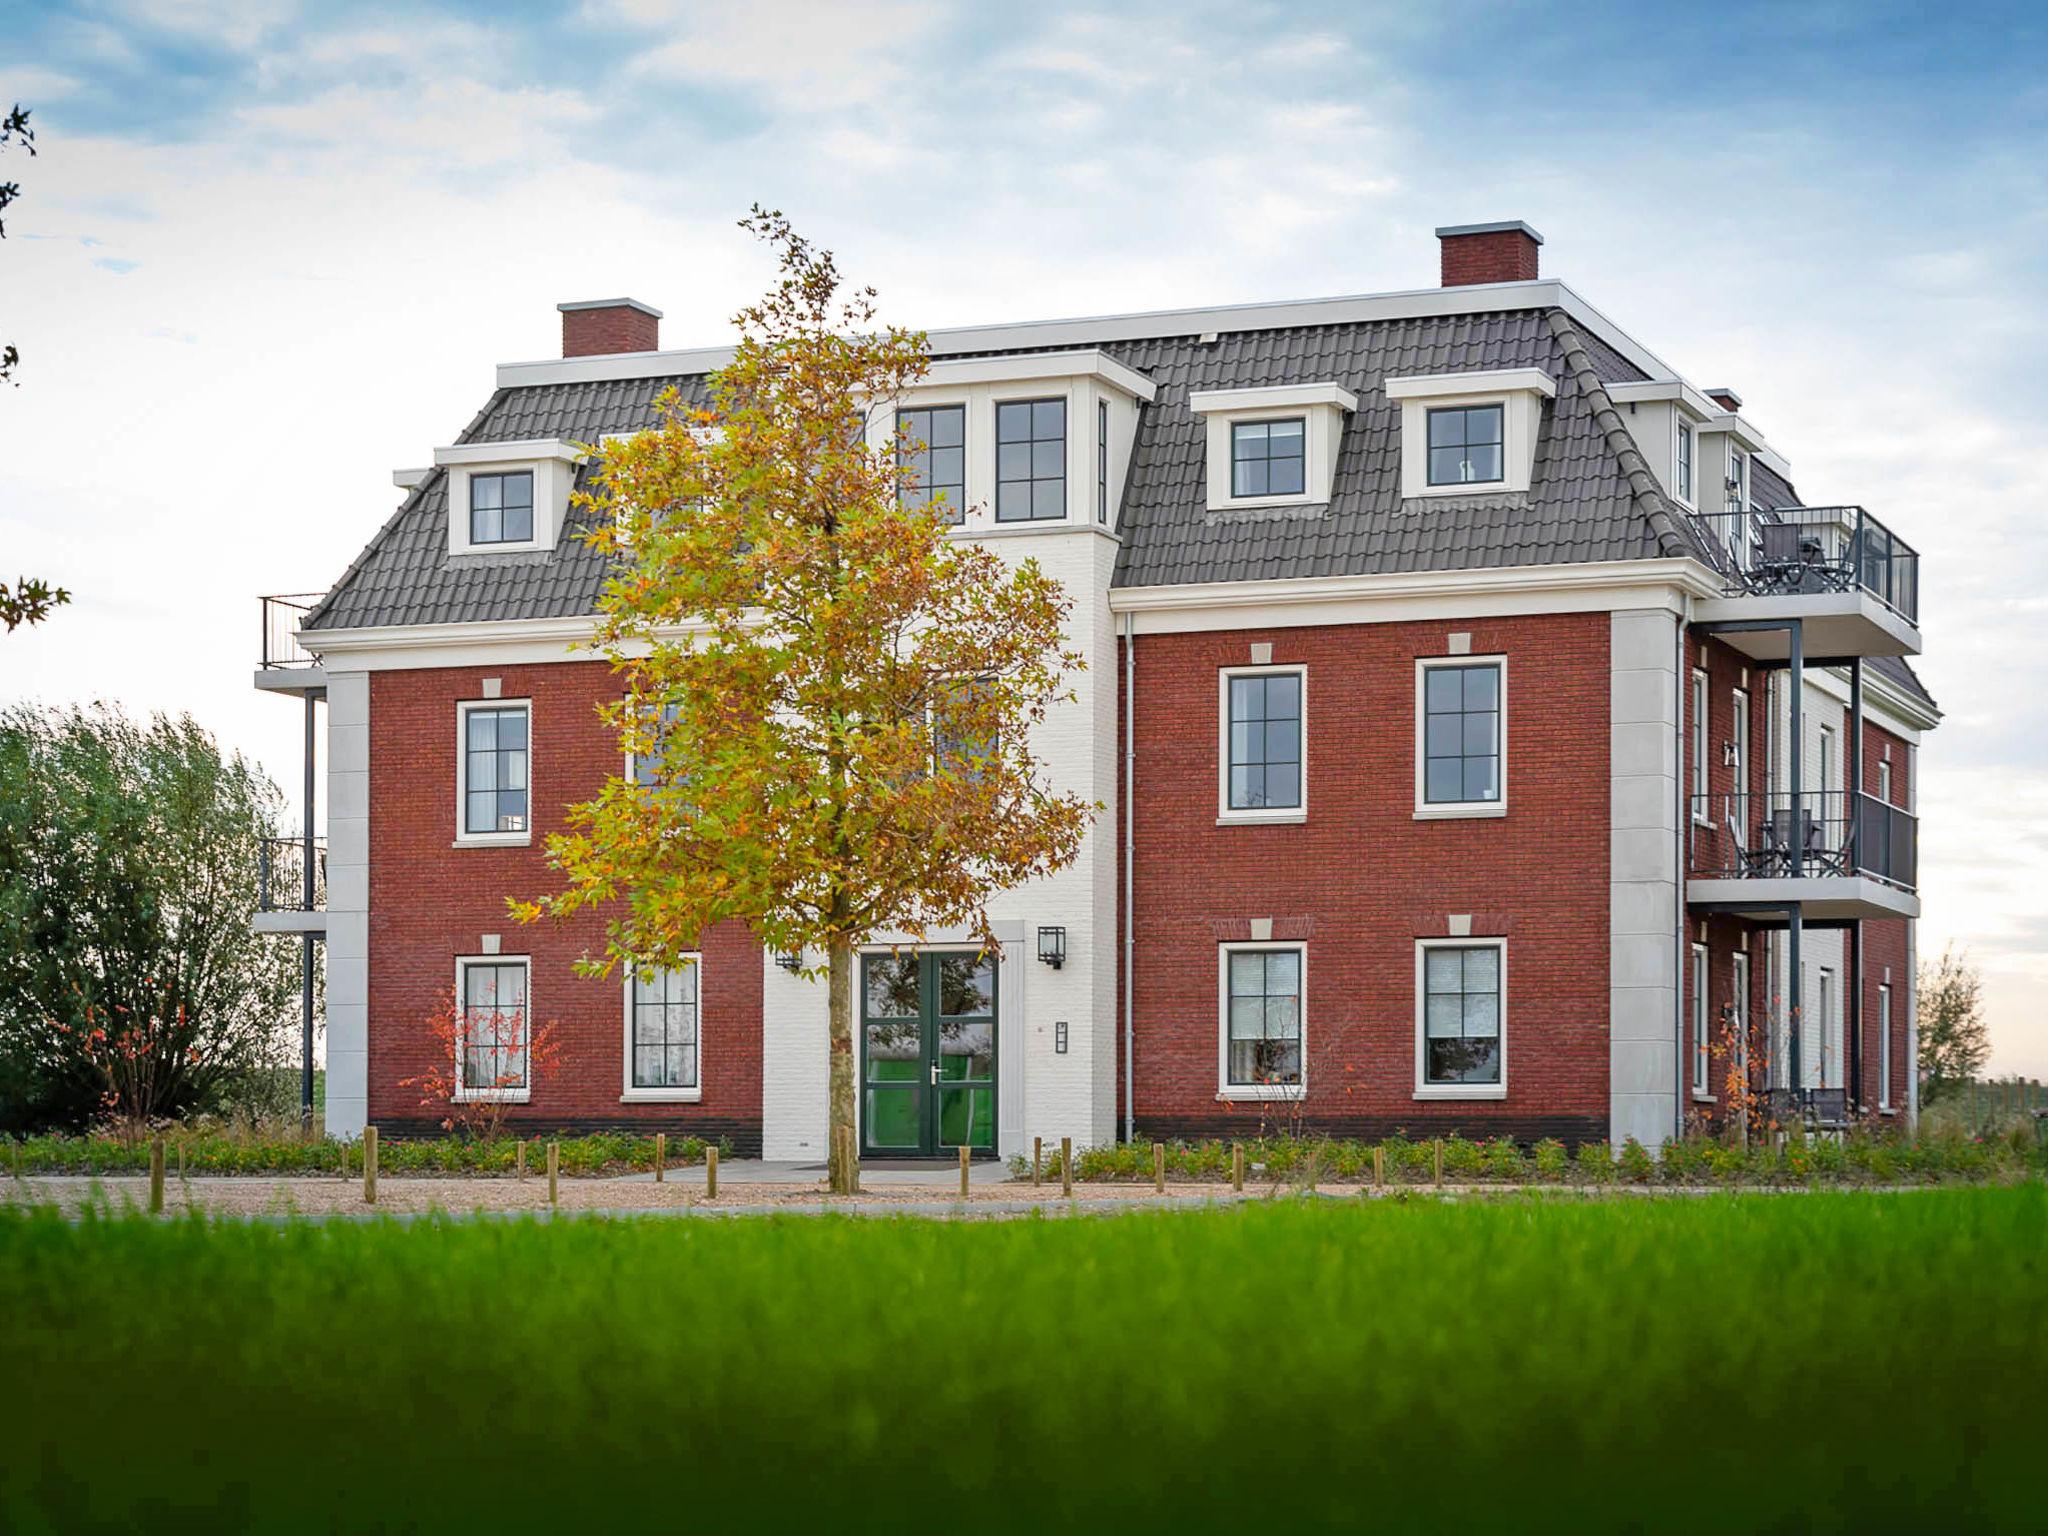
(1590, 499)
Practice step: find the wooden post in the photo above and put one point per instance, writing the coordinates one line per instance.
(963, 1173)
(1379, 1166)
(181, 1162)
(1159, 1166)
(1037, 1157)
(1437, 1156)
(660, 1155)
(369, 1165)
(554, 1169)
(711, 1173)
(156, 1177)
(341, 1159)
(1237, 1166)
(519, 1159)
(1067, 1166)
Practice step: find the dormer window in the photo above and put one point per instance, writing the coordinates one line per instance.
(1031, 460)
(1268, 458)
(1738, 480)
(501, 508)
(1465, 445)
(1684, 476)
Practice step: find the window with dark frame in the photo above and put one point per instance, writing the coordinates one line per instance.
(492, 1051)
(501, 508)
(931, 442)
(494, 776)
(1461, 734)
(1465, 445)
(1461, 1014)
(665, 1028)
(1102, 461)
(1031, 460)
(1267, 457)
(647, 766)
(1265, 742)
(1685, 461)
(1700, 1042)
(1263, 1018)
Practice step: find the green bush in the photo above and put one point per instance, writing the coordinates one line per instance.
(1553, 1163)
(211, 1153)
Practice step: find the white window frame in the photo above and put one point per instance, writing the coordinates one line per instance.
(1685, 459)
(1702, 1070)
(1884, 781)
(466, 1095)
(1257, 1092)
(1696, 735)
(463, 837)
(628, 1093)
(1323, 407)
(1739, 986)
(1424, 1089)
(1884, 1047)
(1458, 810)
(1261, 816)
(1824, 1005)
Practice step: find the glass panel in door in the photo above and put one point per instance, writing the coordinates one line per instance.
(965, 1050)
(893, 1068)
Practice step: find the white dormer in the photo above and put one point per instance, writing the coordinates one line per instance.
(1666, 418)
(1465, 434)
(507, 498)
(1274, 445)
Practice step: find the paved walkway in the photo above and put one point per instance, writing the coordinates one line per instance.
(755, 1170)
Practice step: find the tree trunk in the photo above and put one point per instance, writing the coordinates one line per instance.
(843, 1161)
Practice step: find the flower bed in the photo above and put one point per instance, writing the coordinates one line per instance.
(212, 1153)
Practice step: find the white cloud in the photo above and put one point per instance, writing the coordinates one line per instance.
(806, 56)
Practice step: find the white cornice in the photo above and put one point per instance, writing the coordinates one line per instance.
(520, 450)
(1207, 402)
(1695, 404)
(1088, 363)
(1475, 381)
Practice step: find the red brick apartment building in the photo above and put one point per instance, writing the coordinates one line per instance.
(1490, 738)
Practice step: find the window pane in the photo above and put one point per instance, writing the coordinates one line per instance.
(1478, 734)
(511, 728)
(1248, 440)
(1049, 419)
(1483, 462)
(947, 467)
(1482, 686)
(1247, 698)
(1284, 477)
(1247, 975)
(947, 428)
(1048, 499)
(1482, 969)
(1446, 466)
(966, 985)
(1013, 461)
(1283, 972)
(512, 769)
(1248, 478)
(1048, 460)
(1442, 689)
(1285, 437)
(1480, 782)
(1482, 1017)
(518, 490)
(1013, 423)
(1445, 779)
(1441, 736)
(1442, 1016)
(1283, 697)
(1443, 970)
(892, 986)
(1247, 1017)
(486, 491)
(1446, 429)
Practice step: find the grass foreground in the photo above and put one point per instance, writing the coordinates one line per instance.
(1834, 1361)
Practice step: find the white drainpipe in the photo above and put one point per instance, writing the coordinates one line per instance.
(1130, 852)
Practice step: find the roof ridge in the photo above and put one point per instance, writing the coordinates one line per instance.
(1672, 527)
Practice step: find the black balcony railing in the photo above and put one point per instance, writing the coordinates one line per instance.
(281, 619)
(1823, 833)
(1814, 549)
(281, 875)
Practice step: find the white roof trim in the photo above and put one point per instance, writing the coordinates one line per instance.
(1478, 381)
(1051, 335)
(1682, 572)
(1089, 363)
(1696, 404)
(1270, 396)
(406, 479)
(508, 452)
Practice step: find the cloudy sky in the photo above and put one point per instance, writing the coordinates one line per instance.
(270, 251)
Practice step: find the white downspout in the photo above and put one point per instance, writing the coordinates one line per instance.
(1681, 951)
(1130, 854)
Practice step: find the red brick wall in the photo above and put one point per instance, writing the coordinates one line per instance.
(1884, 943)
(1361, 880)
(431, 901)
(587, 332)
(1502, 256)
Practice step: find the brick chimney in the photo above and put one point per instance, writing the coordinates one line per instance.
(1488, 253)
(594, 326)
(1725, 398)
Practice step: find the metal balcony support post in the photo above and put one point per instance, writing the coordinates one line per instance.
(1853, 799)
(1795, 1015)
(1796, 757)
(306, 939)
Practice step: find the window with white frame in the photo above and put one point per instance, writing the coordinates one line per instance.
(1738, 1007)
(662, 1028)
(1269, 458)
(1884, 782)
(1031, 460)
(1684, 462)
(1736, 491)
(1102, 461)
(1461, 713)
(1884, 1045)
(645, 768)
(1261, 986)
(1263, 714)
(931, 444)
(1827, 766)
(1701, 811)
(494, 764)
(501, 508)
(1461, 993)
(1824, 1037)
(1700, 1074)
(492, 1012)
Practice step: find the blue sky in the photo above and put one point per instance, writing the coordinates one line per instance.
(270, 251)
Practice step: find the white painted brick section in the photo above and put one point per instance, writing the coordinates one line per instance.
(1643, 877)
(347, 991)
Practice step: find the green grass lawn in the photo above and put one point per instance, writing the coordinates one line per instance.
(1834, 1361)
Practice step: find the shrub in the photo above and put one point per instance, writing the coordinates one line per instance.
(1635, 1165)
(215, 1153)
(1503, 1161)
(1553, 1163)
(1595, 1162)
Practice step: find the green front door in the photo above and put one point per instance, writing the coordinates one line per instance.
(928, 1053)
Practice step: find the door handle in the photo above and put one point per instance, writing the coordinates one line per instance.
(935, 1074)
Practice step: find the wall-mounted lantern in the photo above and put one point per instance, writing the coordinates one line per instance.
(1052, 946)
(791, 962)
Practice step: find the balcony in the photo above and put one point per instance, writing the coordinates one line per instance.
(286, 665)
(1838, 855)
(283, 902)
(1853, 583)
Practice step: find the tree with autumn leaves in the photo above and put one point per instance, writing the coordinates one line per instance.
(836, 696)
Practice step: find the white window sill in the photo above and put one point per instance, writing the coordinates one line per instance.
(661, 1096)
(494, 840)
(1887, 1109)
(493, 1095)
(1465, 488)
(1267, 1093)
(1474, 811)
(1262, 818)
(1253, 503)
(1703, 1098)
(1461, 1091)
